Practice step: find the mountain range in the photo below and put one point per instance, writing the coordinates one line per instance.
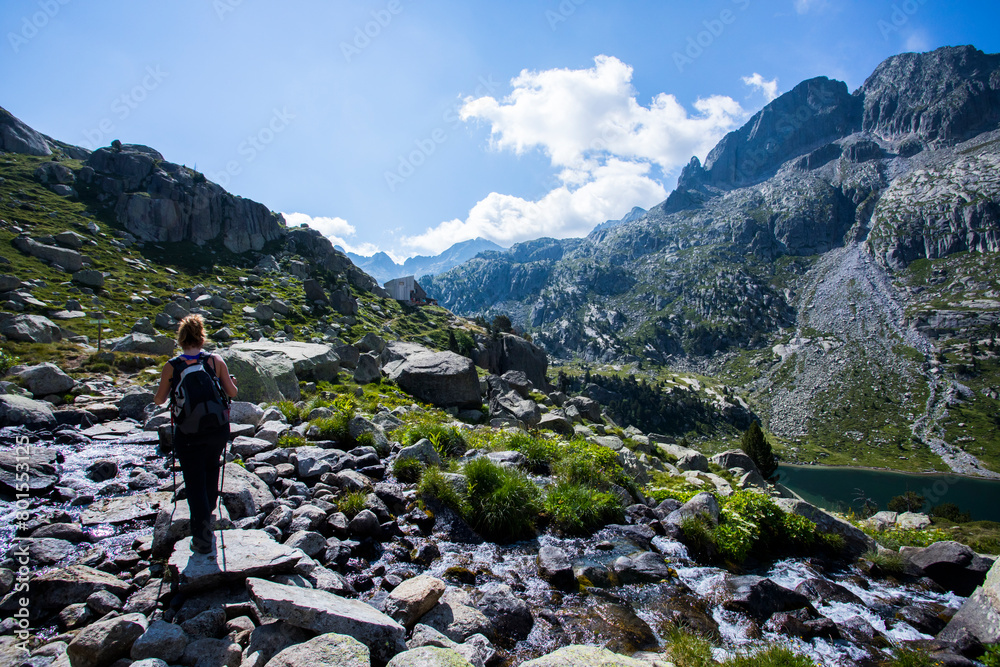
(833, 258)
(382, 267)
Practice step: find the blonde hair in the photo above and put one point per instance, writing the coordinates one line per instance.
(191, 332)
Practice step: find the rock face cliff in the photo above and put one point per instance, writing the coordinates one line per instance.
(823, 200)
(161, 201)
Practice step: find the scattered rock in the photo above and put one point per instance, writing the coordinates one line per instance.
(413, 598)
(327, 649)
(103, 642)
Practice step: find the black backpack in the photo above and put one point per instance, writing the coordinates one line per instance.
(199, 405)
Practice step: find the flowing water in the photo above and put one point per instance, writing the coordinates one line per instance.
(624, 618)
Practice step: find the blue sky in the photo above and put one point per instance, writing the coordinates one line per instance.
(407, 126)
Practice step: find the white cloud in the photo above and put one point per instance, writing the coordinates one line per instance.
(769, 88)
(611, 191)
(335, 229)
(576, 115)
(602, 141)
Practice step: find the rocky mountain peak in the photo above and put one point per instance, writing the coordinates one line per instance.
(948, 95)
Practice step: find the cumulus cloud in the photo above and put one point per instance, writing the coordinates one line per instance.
(574, 115)
(603, 143)
(612, 190)
(335, 229)
(769, 88)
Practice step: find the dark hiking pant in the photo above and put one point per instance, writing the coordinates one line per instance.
(200, 460)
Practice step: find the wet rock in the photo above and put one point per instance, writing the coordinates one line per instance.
(103, 602)
(246, 553)
(124, 509)
(70, 532)
(102, 470)
(861, 632)
(824, 591)
(160, 640)
(801, 623)
(646, 567)
(42, 551)
(43, 469)
(327, 649)
(324, 612)
(614, 625)
(979, 616)
(102, 643)
(759, 597)
(952, 565)
(922, 618)
(413, 598)
(429, 656)
(21, 411)
(554, 567)
(510, 615)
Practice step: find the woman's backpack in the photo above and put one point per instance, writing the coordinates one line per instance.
(198, 404)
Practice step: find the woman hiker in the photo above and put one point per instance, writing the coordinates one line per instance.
(201, 423)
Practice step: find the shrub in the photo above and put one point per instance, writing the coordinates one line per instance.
(992, 656)
(366, 439)
(907, 657)
(591, 465)
(502, 503)
(699, 536)
(891, 562)
(448, 441)
(290, 412)
(336, 427)
(291, 440)
(771, 656)
(408, 470)
(686, 649)
(540, 452)
(352, 503)
(736, 536)
(951, 512)
(580, 510)
(911, 501)
(434, 485)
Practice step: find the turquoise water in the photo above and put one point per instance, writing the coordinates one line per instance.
(838, 488)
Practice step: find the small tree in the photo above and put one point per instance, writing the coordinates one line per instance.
(758, 448)
(501, 324)
(452, 341)
(951, 512)
(911, 501)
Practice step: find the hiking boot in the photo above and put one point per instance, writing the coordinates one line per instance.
(201, 540)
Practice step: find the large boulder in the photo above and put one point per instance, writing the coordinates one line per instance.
(953, 565)
(45, 379)
(980, 614)
(243, 493)
(324, 612)
(43, 468)
(244, 553)
(327, 649)
(262, 378)
(21, 411)
(68, 260)
(444, 379)
(413, 598)
(735, 458)
(17, 137)
(102, 643)
(430, 656)
(506, 402)
(61, 587)
(759, 597)
(141, 343)
(30, 329)
(160, 640)
(855, 540)
(310, 361)
(367, 369)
